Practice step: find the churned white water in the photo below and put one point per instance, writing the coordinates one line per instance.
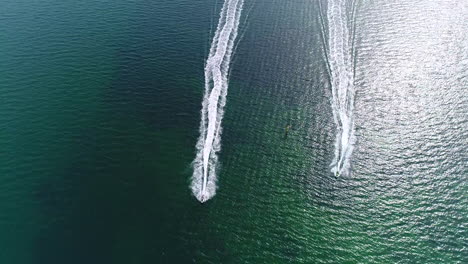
(342, 82)
(216, 84)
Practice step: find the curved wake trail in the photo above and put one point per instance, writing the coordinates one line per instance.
(342, 82)
(216, 84)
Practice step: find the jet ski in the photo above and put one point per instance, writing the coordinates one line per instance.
(286, 131)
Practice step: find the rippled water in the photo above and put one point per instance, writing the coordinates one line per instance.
(100, 111)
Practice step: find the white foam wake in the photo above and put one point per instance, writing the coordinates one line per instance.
(216, 84)
(342, 82)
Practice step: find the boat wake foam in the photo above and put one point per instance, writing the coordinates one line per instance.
(216, 84)
(342, 85)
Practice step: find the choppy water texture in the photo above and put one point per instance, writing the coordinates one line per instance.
(100, 113)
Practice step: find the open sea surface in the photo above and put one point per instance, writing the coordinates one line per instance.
(100, 108)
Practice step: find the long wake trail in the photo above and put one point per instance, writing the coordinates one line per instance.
(216, 84)
(342, 82)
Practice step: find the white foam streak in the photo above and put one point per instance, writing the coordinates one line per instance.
(342, 82)
(216, 84)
